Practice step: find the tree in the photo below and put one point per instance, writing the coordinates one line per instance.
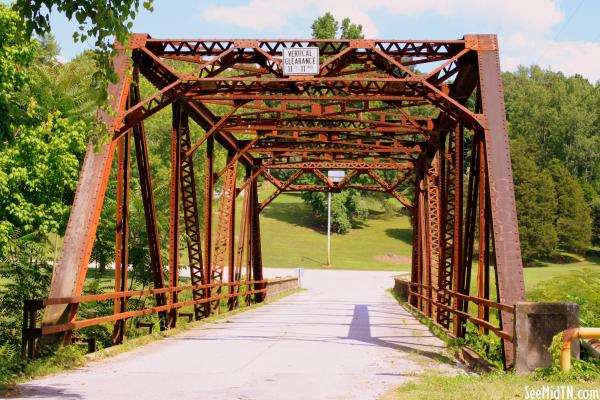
(17, 52)
(66, 88)
(38, 175)
(595, 210)
(350, 30)
(573, 221)
(26, 276)
(562, 123)
(347, 207)
(536, 205)
(326, 27)
(561, 127)
(100, 21)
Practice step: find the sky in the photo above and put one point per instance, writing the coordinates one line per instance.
(561, 35)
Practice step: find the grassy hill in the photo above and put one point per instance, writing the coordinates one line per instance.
(292, 238)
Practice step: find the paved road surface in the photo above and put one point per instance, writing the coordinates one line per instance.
(344, 338)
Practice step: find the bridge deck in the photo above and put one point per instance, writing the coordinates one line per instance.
(345, 338)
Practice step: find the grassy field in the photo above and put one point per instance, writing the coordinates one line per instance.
(500, 386)
(291, 238)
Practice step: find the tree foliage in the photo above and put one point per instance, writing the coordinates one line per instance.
(347, 208)
(573, 221)
(38, 175)
(327, 27)
(17, 52)
(554, 125)
(557, 116)
(536, 205)
(100, 21)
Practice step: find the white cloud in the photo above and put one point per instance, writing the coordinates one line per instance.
(569, 57)
(523, 26)
(256, 14)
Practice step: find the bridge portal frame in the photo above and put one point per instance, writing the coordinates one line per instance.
(368, 111)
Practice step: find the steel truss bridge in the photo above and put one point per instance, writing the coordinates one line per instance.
(427, 115)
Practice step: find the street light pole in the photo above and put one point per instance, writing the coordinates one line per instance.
(329, 229)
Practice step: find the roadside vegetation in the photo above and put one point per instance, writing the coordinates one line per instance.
(581, 287)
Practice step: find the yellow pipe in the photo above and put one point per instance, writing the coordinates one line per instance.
(568, 336)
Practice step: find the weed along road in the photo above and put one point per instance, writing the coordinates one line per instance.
(345, 337)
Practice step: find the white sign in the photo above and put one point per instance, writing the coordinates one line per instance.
(336, 175)
(301, 61)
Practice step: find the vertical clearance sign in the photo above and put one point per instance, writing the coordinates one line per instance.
(301, 61)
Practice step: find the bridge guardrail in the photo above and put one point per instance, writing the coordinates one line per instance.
(31, 332)
(462, 311)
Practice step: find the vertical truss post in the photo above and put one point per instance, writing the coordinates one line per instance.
(122, 233)
(174, 208)
(415, 275)
(208, 217)
(486, 276)
(457, 259)
(248, 235)
(505, 230)
(191, 216)
(242, 244)
(68, 277)
(434, 225)
(231, 233)
(482, 259)
(143, 163)
(255, 248)
(450, 164)
(225, 235)
(469, 233)
(424, 266)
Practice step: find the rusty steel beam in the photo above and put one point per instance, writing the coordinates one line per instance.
(420, 51)
(176, 134)
(225, 230)
(191, 216)
(69, 275)
(255, 243)
(147, 194)
(208, 217)
(122, 232)
(365, 165)
(279, 188)
(505, 230)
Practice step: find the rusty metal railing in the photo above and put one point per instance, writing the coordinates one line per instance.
(462, 311)
(31, 332)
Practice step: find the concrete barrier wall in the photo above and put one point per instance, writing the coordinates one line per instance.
(401, 286)
(280, 285)
(535, 326)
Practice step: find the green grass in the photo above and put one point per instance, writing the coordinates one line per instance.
(292, 238)
(498, 386)
(545, 271)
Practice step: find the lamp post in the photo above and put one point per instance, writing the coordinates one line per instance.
(336, 176)
(329, 229)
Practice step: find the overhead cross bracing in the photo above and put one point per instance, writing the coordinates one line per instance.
(422, 120)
